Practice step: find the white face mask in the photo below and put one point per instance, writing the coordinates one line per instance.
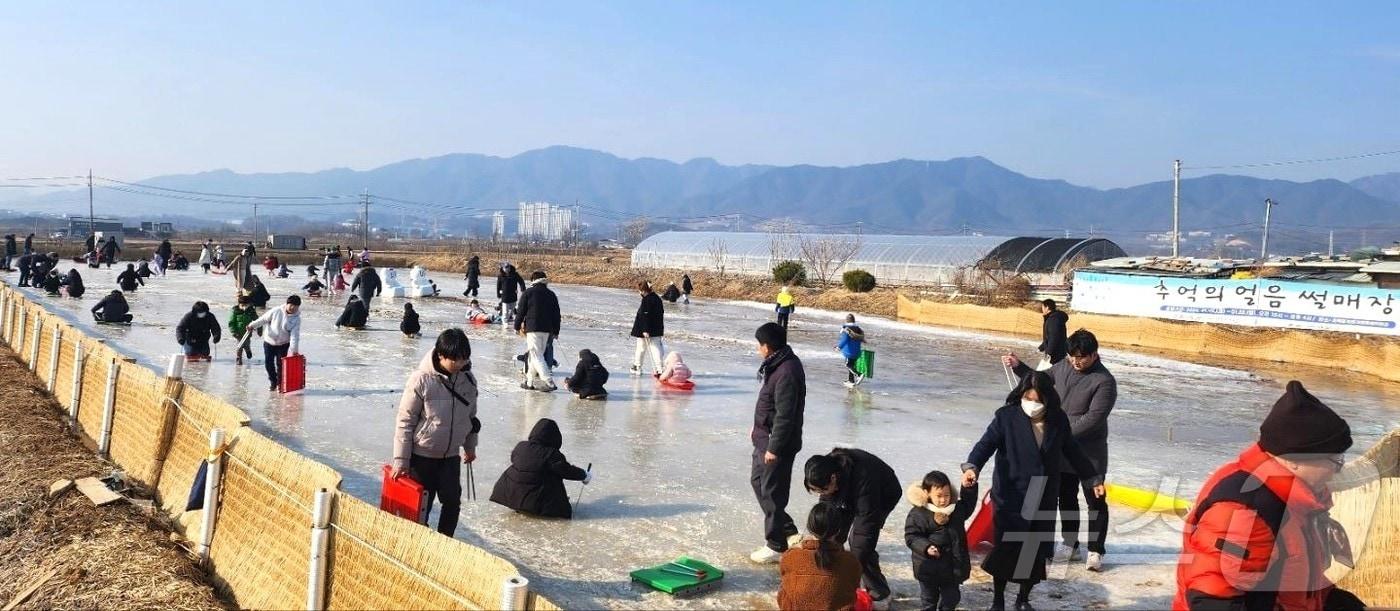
(945, 510)
(201, 314)
(1032, 408)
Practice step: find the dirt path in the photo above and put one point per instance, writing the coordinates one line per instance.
(109, 557)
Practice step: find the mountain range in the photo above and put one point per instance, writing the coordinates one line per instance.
(904, 196)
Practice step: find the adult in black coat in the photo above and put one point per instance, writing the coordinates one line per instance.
(409, 325)
(473, 276)
(367, 284)
(110, 250)
(355, 314)
(649, 324)
(1029, 435)
(671, 294)
(90, 243)
(509, 284)
(257, 292)
(196, 329)
(11, 250)
(589, 376)
(75, 284)
(538, 311)
(1052, 331)
(29, 244)
(534, 482)
(52, 282)
(112, 308)
(686, 287)
(776, 437)
(129, 279)
(26, 267)
(868, 490)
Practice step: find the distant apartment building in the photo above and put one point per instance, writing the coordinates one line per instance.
(498, 226)
(544, 222)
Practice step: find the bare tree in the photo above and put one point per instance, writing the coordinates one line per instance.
(779, 242)
(719, 254)
(825, 255)
(635, 230)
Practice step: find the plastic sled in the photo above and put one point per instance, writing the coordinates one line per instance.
(1146, 500)
(197, 357)
(113, 322)
(981, 530)
(684, 385)
(404, 497)
(865, 363)
(684, 577)
(293, 374)
(863, 601)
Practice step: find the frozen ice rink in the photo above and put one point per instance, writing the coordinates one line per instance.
(671, 468)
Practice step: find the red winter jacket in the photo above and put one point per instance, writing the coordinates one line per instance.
(1257, 545)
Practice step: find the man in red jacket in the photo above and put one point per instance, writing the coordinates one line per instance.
(1259, 536)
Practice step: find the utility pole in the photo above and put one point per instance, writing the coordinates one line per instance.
(1264, 246)
(1330, 252)
(92, 224)
(1176, 208)
(364, 227)
(255, 223)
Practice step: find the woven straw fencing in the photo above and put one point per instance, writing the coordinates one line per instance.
(260, 550)
(1367, 503)
(1379, 357)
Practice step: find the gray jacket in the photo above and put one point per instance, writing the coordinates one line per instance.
(1087, 399)
(432, 422)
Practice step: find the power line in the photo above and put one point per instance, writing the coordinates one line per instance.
(1270, 164)
(209, 194)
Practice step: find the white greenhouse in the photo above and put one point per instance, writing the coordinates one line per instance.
(892, 259)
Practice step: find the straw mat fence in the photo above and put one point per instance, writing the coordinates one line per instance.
(1372, 356)
(262, 537)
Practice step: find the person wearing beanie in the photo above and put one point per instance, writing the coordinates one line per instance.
(537, 320)
(1259, 536)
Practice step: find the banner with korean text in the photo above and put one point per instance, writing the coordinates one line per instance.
(1259, 302)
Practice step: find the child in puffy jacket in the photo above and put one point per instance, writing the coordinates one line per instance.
(534, 482)
(589, 377)
(409, 325)
(675, 370)
(935, 531)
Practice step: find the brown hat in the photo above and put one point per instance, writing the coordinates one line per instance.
(1301, 424)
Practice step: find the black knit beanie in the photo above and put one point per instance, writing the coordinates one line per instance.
(1300, 424)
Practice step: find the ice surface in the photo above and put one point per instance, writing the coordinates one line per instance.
(671, 468)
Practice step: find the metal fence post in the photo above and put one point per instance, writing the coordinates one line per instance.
(18, 345)
(320, 537)
(78, 358)
(108, 408)
(57, 346)
(211, 492)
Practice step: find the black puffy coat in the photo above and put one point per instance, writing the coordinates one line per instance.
(1052, 333)
(589, 376)
(921, 530)
(866, 485)
(11, 249)
(686, 285)
(367, 284)
(651, 316)
(534, 482)
(129, 280)
(257, 293)
(473, 273)
(778, 413)
(75, 284)
(538, 311)
(508, 285)
(143, 270)
(112, 308)
(409, 325)
(355, 315)
(197, 329)
(52, 283)
(164, 250)
(672, 294)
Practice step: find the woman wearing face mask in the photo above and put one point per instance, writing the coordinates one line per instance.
(1029, 436)
(195, 330)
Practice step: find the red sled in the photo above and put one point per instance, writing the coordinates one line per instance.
(404, 497)
(682, 385)
(863, 601)
(293, 373)
(197, 357)
(981, 531)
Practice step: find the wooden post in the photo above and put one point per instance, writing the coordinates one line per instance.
(320, 538)
(108, 408)
(170, 416)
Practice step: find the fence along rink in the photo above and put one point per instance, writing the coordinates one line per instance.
(157, 430)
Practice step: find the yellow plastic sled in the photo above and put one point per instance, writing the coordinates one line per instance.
(1147, 500)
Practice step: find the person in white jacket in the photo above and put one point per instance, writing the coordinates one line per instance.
(281, 338)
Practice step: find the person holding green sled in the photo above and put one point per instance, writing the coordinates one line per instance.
(849, 344)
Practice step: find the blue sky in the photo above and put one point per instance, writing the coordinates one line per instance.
(1102, 94)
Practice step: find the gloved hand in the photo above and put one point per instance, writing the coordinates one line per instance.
(587, 477)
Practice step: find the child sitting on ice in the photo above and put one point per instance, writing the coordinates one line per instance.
(355, 314)
(589, 377)
(675, 371)
(409, 325)
(534, 482)
(313, 288)
(338, 283)
(935, 531)
(283, 272)
(478, 314)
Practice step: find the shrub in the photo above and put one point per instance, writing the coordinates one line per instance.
(789, 272)
(858, 281)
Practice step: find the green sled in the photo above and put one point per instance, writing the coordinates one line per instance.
(865, 363)
(673, 581)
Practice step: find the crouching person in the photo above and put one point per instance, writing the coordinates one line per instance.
(589, 377)
(436, 427)
(819, 573)
(534, 482)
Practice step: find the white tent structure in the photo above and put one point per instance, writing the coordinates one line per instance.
(892, 259)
